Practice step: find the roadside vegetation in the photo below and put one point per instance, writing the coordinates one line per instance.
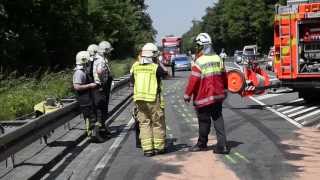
(233, 24)
(39, 40)
(18, 95)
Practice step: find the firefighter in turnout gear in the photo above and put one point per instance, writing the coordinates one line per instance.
(83, 87)
(102, 77)
(147, 75)
(208, 86)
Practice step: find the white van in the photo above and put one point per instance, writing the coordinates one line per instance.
(250, 50)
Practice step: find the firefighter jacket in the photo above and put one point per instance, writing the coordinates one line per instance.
(145, 82)
(207, 82)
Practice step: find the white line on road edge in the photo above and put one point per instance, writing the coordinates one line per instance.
(107, 157)
(277, 113)
(267, 96)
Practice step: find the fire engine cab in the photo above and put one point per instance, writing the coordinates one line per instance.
(297, 50)
(297, 46)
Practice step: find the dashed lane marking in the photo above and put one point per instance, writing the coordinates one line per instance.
(230, 159)
(241, 157)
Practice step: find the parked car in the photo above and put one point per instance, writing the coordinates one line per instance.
(182, 62)
(270, 59)
(237, 56)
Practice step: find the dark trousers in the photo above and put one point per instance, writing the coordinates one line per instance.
(100, 105)
(172, 68)
(205, 115)
(107, 89)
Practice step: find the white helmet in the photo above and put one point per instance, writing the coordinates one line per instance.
(105, 47)
(203, 39)
(92, 49)
(82, 57)
(150, 50)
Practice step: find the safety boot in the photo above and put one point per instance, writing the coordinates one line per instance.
(104, 132)
(197, 148)
(148, 153)
(96, 137)
(159, 151)
(221, 150)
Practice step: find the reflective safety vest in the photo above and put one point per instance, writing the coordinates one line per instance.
(208, 81)
(145, 82)
(162, 102)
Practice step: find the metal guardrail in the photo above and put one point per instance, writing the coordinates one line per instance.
(31, 131)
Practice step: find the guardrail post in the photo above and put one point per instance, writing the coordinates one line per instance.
(12, 160)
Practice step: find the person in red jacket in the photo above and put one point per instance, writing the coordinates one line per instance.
(208, 87)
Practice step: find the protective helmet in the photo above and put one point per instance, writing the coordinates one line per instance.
(105, 47)
(203, 39)
(92, 49)
(82, 57)
(150, 50)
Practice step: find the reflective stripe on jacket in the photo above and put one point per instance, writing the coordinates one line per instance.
(207, 82)
(145, 82)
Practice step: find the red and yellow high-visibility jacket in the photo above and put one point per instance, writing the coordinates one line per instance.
(207, 82)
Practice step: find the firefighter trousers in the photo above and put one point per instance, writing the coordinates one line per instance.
(89, 117)
(101, 106)
(205, 115)
(152, 125)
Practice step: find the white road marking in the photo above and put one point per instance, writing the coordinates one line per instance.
(284, 108)
(303, 111)
(168, 128)
(266, 96)
(287, 107)
(107, 157)
(293, 109)
(307, 115)
(277, 113)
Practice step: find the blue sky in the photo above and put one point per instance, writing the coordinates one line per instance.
(175, 16)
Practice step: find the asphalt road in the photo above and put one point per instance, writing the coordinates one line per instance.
(256, 129)
(268, 135)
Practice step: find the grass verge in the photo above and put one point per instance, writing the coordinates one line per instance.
(19, 95)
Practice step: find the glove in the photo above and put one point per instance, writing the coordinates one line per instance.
(186, 100)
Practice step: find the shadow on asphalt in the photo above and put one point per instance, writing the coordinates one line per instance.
(247, 107)
(231, 144)
(171, 147)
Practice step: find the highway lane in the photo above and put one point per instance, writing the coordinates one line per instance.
(265, 144)
(257, 136)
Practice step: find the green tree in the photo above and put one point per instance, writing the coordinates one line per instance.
(233, 24)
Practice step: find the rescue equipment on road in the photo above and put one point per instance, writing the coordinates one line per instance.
(250, 80)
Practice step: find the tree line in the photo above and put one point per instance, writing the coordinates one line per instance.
(235, 23)
(48, 33)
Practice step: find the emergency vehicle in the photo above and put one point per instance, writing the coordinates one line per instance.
(297, 53)
(171, 45)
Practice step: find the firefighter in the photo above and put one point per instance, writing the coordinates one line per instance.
(92, 49)
(102, 77)
(83, 87)
(208, 86)
(147, 77)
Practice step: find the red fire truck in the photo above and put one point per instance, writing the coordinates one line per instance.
(171, 45)
(297, 52)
